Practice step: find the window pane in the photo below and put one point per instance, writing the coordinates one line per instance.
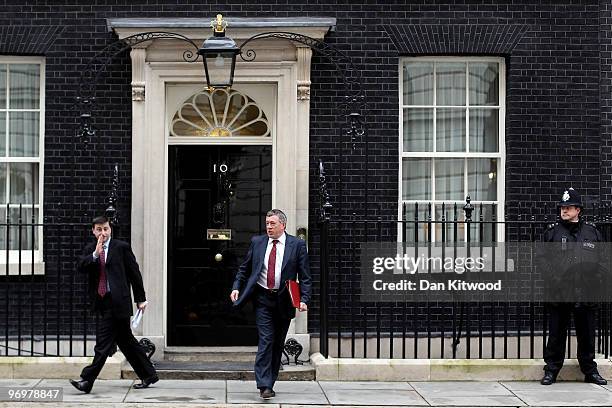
(483, 231)
(3, 133)
(418, 130)
(25, 230)
(482, 179)
(416, 178)
(450, 130)
(449, 179)
(3, 170)
(416, 231)
(484, 129)
(2, 230)
(24, 183)
(2, 86)
(23, 134)
(446, 232)
(450, 87)
(418, 83)
(24, 86)
(484, 84)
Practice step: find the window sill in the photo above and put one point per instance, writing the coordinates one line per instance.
(26, 269)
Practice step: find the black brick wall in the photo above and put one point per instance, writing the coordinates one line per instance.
(605, 93)
(559, 108)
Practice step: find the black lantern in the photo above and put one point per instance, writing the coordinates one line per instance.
(219, 55)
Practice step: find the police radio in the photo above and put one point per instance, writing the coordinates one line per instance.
(563, 243)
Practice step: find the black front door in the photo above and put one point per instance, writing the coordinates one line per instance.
(218, 197)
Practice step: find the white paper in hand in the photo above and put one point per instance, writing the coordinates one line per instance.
(136, 319)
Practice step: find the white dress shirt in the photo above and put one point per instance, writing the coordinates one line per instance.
(280, 251)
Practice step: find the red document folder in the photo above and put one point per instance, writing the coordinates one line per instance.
(294, 292)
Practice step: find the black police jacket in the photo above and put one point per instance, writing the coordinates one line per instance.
(572, 263)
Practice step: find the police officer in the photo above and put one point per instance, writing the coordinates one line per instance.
(571, 232)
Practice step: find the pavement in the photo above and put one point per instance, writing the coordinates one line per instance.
(311, 394)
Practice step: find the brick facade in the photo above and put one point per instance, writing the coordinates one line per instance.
(559, 104)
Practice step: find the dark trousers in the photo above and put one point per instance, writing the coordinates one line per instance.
(272, 325)
(558, 322)
(113, 330)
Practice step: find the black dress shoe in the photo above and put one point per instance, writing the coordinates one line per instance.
(549, 378)
(82, 385)
(595, 378)
(267, 393)
(147, 382)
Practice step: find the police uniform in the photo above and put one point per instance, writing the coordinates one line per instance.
(567, 263)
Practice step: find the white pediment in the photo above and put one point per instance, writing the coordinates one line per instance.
(238, 28)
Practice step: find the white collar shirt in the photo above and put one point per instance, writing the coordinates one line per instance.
(280, 251)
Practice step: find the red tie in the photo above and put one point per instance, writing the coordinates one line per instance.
(102, 282)
(272, 264)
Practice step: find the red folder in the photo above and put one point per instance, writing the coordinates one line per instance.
(294, 292)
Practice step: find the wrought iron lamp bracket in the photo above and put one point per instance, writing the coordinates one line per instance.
(85, 101)
(354, 101)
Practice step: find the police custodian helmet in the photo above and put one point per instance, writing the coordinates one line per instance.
(570, 197)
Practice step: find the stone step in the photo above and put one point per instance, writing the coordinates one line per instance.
(210, 354)
(219, 370)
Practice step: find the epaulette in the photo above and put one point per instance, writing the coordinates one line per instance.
(592, 224)
(551, 226)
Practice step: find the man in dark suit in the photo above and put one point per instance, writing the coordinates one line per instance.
(112, 270)
(271, 261)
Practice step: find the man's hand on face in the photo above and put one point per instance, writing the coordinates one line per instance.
(99, 245)
(102, 232)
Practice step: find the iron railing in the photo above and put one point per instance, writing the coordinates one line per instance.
(352, 328)
(44, 306)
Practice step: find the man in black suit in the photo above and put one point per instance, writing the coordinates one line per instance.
(271, 261)
(112, 269)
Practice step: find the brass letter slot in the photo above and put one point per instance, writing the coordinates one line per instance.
(219, 234)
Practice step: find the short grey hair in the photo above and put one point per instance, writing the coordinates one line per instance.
(281, 215)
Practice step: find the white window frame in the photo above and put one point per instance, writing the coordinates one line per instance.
(500, 155)
(14, 256)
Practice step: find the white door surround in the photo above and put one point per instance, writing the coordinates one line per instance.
(158, 63)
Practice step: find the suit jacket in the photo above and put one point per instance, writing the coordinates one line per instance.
(121, 272)
(295, 266)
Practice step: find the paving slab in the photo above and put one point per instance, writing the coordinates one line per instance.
(328, 406)
(102, 391)
(365, 385)
(559, 386)
(180, 395)
(594, 398)
(26, 383)
(293, 387)
(189, 384)
(133, 405)
(475, 400)
(460, 389)
(281, 398)
(374, 397)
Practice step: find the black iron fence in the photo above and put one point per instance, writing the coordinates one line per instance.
(44, 309)
(350, 327)
(44, 306)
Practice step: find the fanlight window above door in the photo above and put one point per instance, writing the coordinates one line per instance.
(220, 113)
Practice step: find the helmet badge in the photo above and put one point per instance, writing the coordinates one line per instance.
(566, 196)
